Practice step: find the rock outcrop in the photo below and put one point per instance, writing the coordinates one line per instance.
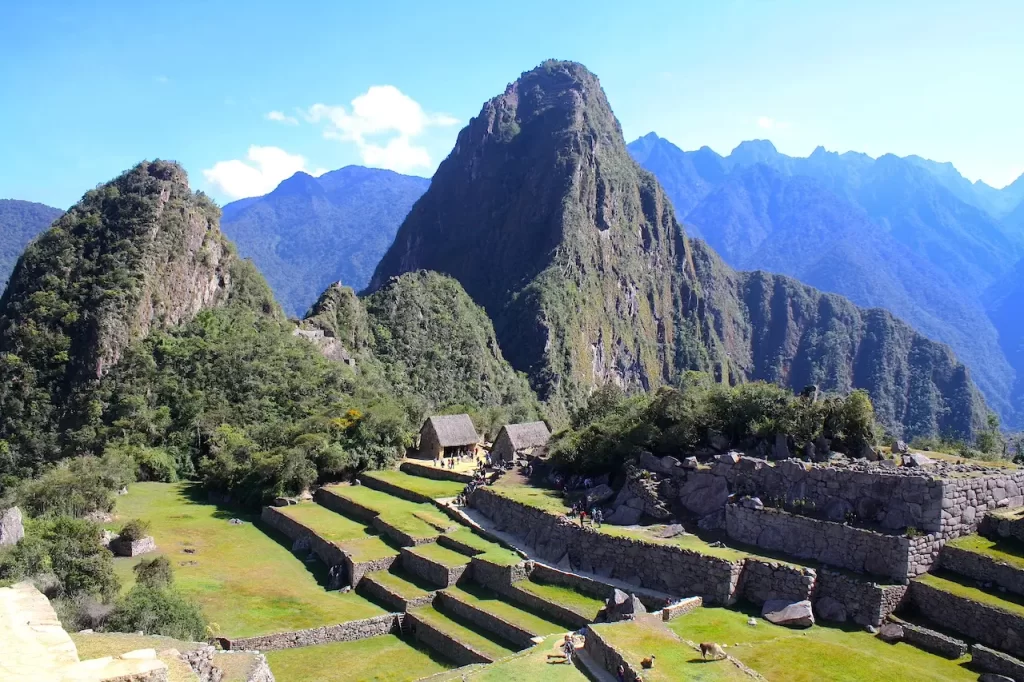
(11, 527)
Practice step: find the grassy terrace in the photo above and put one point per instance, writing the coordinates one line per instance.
(965, 587)
(236, 666)
(417, 484)
(360, 542)
(401, 583)
(674, 660)
(1007, 551)
(99, 645)
(493, 604)
(418, 520)
(248, 582)
(525, 666)
(491, 551)
(483, 642)
(818, 653)
(440, 555)
(383, 659)
(563, 596)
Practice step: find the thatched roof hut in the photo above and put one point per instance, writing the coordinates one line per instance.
(519, 438)
(448, 435)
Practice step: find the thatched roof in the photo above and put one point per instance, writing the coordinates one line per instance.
(453, 430)
(529, 435)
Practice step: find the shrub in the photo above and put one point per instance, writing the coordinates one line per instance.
(76, 487)
(134, 530)
(157, 611)
(155, 572)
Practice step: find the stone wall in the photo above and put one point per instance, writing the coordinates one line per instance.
(986, 624)
(399, 535)
(681, 608)
(355, 570)
(557, 612)
(390, 489)
(965, 501)
(343, 506)
(836, 544)
(436, 473)
(342, 632)
(432, 571)
(666, 568)
(932, 641)
(996, 662)
(382, 593)
(498, 576)
(863, 602)
(12, 529)
(458, 652)
(1001, 525)
(327, 551)
(130, 548)
(582, 584)
(982, 568)
(763, 580)
(510, 632)
(606, 656)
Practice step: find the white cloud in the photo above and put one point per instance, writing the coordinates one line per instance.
(281, 117)
(768, 123)
(383, 111)
(265, 169)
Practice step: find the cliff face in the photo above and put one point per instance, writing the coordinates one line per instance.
(139, 252)
(575, 253)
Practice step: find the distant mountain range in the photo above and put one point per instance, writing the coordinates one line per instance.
(20, 222)
(311, 232)
(906, 234)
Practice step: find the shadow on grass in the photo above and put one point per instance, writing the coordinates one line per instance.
(197, 494)
(317, 568)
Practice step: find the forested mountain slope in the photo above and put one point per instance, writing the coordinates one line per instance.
(20, 222)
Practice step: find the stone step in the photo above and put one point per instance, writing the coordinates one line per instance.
(410, 487)
(999, 562)
(397, 589)
(954, 603)
(566, 601)
(458, 641)
(435, 564)
(490, 612)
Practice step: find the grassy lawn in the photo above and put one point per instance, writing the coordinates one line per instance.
(965, 587)
(674, 659)
(401, 583)
(493, 604)
(817, 653)
(386, 658)
(101, 644)
(441, 555)
(563, 596)
(358, 541)
(420, 520)
(491, 551)
(248, 582)
(526, 666)
(236, 665)
(541, 498)
(483, 642)
(687, 541)
(417, 484)
(1007, 551)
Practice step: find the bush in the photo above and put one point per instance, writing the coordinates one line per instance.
(154, 572)
(76, 487)
(157, 611)
(134, 530)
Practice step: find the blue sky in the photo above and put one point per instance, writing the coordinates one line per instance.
(90, 88)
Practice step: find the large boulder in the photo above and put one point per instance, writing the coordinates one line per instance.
(12, 528)
(796, 614)
(624, 515)
(781, 449)
(831, 609)
(597, 495)
(890, 632)
(704, 493)
(623, 606)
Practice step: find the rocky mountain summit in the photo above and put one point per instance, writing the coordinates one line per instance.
(577, 256)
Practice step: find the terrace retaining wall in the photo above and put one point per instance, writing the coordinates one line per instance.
(864, 602)
(763, 580)
(997, 662)
(607, 656)
(327, 551)
(836, 544)
(982, 568)
(342, 632)
(665, 568)
(489, 622)
(399, 535)
(932, 641)
(986, 624)
(355, 570)
(681, 608)
(433, 571)
(436, 473)
(383, 593)
(346, 507)
(556, 612)
(391, 489)
(995, 525)
(458, 652)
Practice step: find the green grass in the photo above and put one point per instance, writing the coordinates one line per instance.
(417, 484)
(358, 541)
(674, 659)
(491, 551)
(539, 498)
(101, 644)
(485, 643)
(567, 597)
(687, 541)
(441, 555)
(1007, 551)
(401, 583)
(235, 665)
(386, 658)
(817, 653)
(526, 666)
(247, 582)
(419, 520)
(965, 587)
(495, 605)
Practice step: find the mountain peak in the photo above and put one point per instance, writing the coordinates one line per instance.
(302, 183)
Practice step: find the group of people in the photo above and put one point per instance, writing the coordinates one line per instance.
(579, 510)
(479, 479)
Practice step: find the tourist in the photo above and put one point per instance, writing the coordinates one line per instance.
(583, 517)
(568, 649)
(598, 516)
(620, 673)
